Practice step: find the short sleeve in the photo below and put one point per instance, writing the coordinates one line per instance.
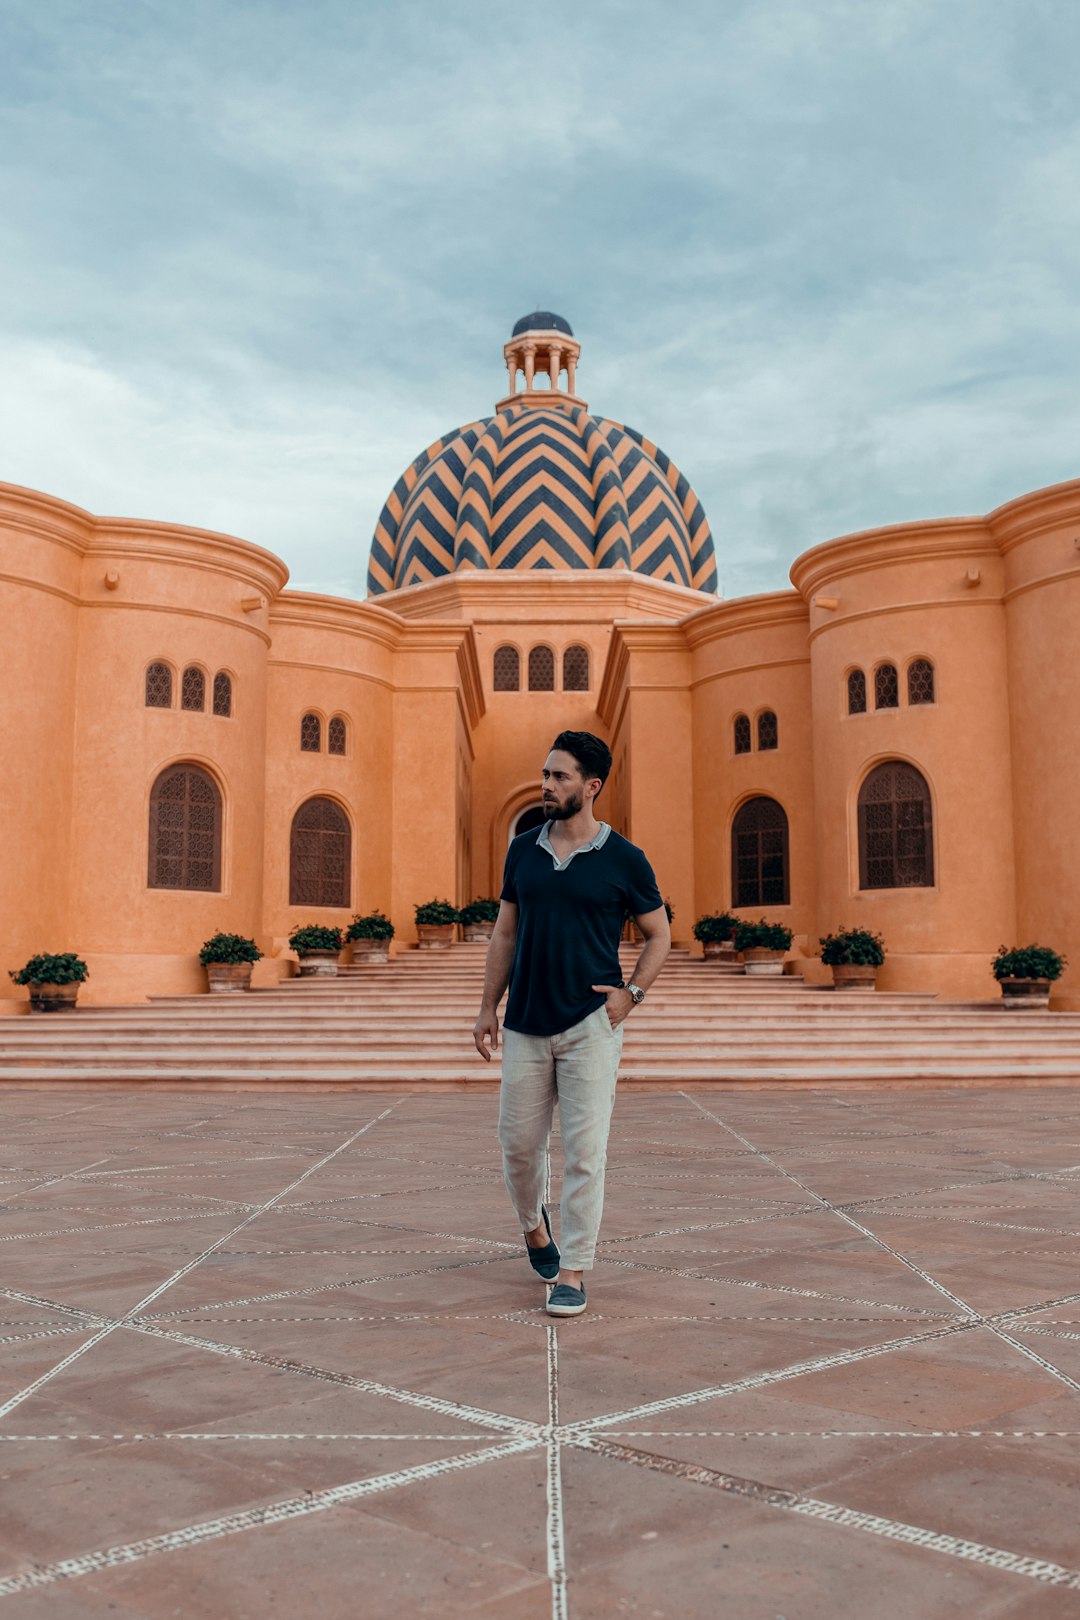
(642, 894)
(509, 887)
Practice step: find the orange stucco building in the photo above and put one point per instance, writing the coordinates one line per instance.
(190, 746)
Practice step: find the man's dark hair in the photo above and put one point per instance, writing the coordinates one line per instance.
(592, 753)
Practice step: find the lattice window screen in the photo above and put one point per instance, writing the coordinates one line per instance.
(335, 736)
(575, 669)
(507, 669)
(320, 855)
(920, 681)
(185, 830)
(759, 854)
(541, 670)
(193, 689)
(223, 694)
(886, 687)
(158, 686)
(896, 845)
(742, 734)
(310, 734)
(856, 692)
(768, 731)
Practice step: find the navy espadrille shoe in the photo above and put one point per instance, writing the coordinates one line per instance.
(545, 1261)
(566, 1301)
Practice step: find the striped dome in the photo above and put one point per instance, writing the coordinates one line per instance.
(545, 487)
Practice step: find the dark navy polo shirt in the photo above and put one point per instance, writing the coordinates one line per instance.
(570, 920)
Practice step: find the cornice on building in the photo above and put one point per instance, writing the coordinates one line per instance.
(470, 590)
(931, 540)
(762, 612)
(1032, 515)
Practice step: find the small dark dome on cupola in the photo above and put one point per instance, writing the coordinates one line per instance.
(542, 320)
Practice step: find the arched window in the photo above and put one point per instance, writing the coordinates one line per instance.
(320, 855)
(185, 830)
(920, 681)
(158, 686)
(886, 687)
(310, 734)
(193, 689)
(336, 736)
(507, 669)
(768, 731)
(529, 820)
(759, 854)
(896, 842)
(742, 734)
(856, 692)
(223, 694)
(541, 670)
(575, 669)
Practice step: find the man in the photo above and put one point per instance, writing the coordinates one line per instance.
(566, 892)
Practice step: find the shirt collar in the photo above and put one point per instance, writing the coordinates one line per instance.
(597, 841)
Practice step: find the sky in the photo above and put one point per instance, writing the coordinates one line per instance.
(254, 257)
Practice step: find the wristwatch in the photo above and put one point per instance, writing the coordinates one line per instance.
(637, 992)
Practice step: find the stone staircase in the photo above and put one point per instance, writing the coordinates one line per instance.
(407, 1026)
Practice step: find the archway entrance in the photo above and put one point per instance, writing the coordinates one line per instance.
(532, 816)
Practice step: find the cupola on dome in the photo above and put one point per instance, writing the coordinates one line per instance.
(542, 484)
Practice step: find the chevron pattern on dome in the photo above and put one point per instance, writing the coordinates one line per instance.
(542, 488)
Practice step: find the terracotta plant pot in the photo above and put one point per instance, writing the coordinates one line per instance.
(319, 965)
(761, 962)
(477, 931)
(719, 950)
(1027, 995)
(370, 951)
(435, 936)
(226, 978)
(45, 998)
(854, 976)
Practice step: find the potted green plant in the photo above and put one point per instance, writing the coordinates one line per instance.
(716, 932)
(318, 949)
(228, 960)
(435, 921)
(1025, 974)
(53, 980)
(478, 919)
(763, 946)
(854, 954)
(370, 937)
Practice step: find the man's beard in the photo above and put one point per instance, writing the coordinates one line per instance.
(563, 812)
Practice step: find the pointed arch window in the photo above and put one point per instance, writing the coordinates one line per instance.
(158, 686)
(886, 687)
(507, 669)
(541, 670)
(336, 735)
(185, 830)
(896, 841)
(742, 733)
(920, 681)
(223, 694)
(193, 689)
(320, 855)
(759, 854)
(310, 734)
(856, 692)
(768, 730)
(575, 669)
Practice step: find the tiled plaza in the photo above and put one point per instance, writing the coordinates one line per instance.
(283, 1355)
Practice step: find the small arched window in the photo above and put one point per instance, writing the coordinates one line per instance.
(896, 843)
(223, 694)
(575, 669)
(742, 734)
(507, 669)
(920, 681)
(856, 692)
(320, 855)
(768, 731)
(310, 734)
(193, 689)
(158, 686)
(541, 670)
(886, 687)
(759, 854)
(185, 830)
(336, 736)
